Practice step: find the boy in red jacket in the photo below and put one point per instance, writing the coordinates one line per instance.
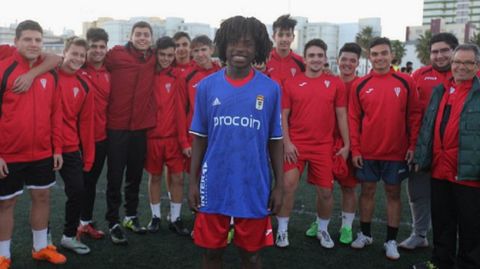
(78, 137)
(384, 119)
(97, 75)
(30, 143)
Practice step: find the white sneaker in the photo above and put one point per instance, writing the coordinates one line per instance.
(414, 241)
(282, 239)
(74, 245)
(325, 239)
(361, 241)
(391, 250)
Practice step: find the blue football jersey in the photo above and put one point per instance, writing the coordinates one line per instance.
(238, 123)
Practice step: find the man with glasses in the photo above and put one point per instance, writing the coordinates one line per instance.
(426, 78)
(449, 146)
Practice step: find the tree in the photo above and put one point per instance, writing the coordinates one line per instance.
(475, 39)
(398, 50)
(363, 39)
(422, 47)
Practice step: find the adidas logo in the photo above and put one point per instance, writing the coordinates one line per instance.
(216, 102)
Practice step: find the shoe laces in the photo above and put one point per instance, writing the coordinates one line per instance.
(326, 236)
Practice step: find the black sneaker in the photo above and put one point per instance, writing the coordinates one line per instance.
(154, 225)
(117, 235)
(134, 225)
(425, 265)
(178, 228)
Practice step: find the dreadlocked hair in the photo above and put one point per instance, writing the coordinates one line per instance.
(238, 27)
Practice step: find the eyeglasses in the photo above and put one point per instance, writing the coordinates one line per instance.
(467, 64)
(440, 51)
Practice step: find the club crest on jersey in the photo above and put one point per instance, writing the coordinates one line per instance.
(43, 81)
(397, 91)
(327, 83)
(168, 86)
(452, 90)
(294, 71)
(75, 92)
(259, 102)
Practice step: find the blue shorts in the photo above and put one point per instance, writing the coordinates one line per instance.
(391, 172)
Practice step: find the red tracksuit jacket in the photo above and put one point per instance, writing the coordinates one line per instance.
(100, 80)
(186, 90)
(384, 116)
(281, 69)
(78, 116)
(426, 78)
(166, 97)
(132, 101)
(31, 122)
(6, 51)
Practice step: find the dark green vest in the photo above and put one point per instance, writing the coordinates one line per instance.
(469, 134)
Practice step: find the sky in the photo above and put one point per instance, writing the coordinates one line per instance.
(57, 15)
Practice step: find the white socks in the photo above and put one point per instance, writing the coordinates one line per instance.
(347, 220)
(5, 248)
(322, 224)
(283, 223)
(175, 209)
(39, 239)
(155, 210)
(85, 222)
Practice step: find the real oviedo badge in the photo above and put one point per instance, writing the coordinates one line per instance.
(259, 102)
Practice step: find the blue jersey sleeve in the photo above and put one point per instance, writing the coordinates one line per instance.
(200, 121)
(276, 119)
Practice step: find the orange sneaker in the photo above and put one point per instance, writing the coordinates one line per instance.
(49, 254)
(4, 262)
(90, 231)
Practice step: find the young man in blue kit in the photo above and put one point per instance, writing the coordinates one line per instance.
(238, 133)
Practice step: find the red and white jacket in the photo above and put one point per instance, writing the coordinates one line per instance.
(78, 116)
(100, 80)
(31, 122)
(384, 116)
(186, 90)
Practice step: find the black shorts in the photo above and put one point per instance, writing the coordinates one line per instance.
(391, 172)
(33, 175)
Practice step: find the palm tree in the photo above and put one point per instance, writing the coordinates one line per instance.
(422, 47)
(363, 39)
(475, 39)
(398, 50)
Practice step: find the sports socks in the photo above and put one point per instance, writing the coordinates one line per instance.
(322, 224)
(283, 223)
(347, 220)
(39, 239)
(155, 210)
(391, 233)
(365, 227)
(175, 209)
(5, 248)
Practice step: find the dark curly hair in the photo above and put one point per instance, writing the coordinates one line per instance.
(235, 28)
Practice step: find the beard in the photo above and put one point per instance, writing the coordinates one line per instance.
(441, 68)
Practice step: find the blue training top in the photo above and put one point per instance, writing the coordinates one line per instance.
(238, 123)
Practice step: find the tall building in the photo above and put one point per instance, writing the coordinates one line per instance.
(335, 35)
(452, 11)
(119, 30)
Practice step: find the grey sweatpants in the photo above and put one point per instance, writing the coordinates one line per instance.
(419, 199)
